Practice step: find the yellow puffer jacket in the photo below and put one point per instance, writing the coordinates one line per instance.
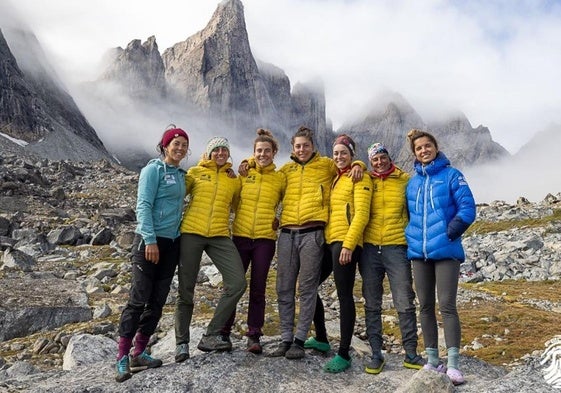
(307, 190)
(349, 210)
(261, 192)
(388, 211)
(212, 196)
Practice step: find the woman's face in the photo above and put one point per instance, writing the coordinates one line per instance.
(263, 153)
(302, 148)
(220, 155)
(425, 150)
(342, 156)
(381, 163)
(176, 150)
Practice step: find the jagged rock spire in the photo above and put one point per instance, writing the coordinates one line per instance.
(138, 68)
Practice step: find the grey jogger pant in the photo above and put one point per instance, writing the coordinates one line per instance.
(299, 259)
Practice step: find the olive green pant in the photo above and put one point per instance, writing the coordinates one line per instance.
(225, 256)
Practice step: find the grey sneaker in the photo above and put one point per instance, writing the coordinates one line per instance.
(295, 352)
(281, 350)
(122, 369)
(416, 362)
(374, 365)
(181, 353)
(210, 343)
(143, 362)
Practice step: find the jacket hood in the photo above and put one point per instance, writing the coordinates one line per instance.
(435, 166)
(160, 163)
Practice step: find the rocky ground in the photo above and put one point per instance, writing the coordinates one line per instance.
(65, 232)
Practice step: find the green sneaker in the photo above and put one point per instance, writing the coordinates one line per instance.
(312, 343)
(122, 369)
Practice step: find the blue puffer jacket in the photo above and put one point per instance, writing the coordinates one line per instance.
(159, 204)
(441, 208)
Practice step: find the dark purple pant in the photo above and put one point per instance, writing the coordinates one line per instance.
(259, 253)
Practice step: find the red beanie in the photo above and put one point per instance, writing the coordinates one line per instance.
(172, 133)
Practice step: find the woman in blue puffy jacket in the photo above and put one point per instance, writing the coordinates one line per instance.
(441, 208)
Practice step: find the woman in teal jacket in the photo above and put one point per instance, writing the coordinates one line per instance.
(441, 208)
(155, 251)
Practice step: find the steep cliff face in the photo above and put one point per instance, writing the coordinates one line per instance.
(465, 145)
(36, 108)
(138, 69)
(308, 108)
(389, 123)
(17, 117)
(215, 72)
(215, 68)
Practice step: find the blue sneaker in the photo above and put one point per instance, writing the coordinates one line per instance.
(143, 362)
(122, 369)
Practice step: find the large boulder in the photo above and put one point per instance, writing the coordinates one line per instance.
(29, 305)
(88, 349)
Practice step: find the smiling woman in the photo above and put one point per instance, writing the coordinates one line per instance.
(155, 252)
(205, 227)
(441, 208)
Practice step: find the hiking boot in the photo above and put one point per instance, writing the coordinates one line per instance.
(320, 346)
(416, 362)
(181, 353)
(143, 362)
(122, 369)
(295, 352)
(211, 343)
(254, 346)
(455, 376)
(281, 350)
(374, 365)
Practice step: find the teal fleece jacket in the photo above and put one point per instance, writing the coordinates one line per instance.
(159, 204)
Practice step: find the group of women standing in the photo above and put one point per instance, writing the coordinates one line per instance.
(333, 218)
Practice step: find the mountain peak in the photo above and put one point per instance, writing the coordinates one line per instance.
(138, 69)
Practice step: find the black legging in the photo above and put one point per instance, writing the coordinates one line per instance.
(319, 314)
(344, 276)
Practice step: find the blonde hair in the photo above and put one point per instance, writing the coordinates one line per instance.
(415, 134)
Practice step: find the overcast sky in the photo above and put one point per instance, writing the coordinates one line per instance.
(497, 61)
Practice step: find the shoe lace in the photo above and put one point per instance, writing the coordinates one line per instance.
(146, 357)
(122, 365)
